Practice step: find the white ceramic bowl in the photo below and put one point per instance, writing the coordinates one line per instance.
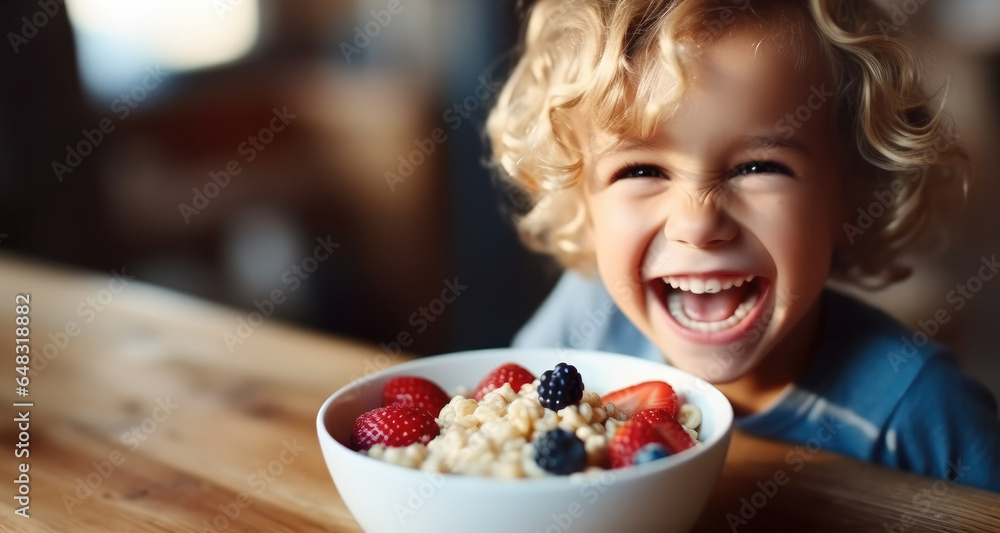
(664, 495)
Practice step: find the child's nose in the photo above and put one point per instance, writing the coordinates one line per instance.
(699, 224)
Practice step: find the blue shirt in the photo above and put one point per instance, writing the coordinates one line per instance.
(875, 391)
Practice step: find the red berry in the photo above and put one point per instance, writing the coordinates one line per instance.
(394, 425)
(511, 373)
(674, 435)
(653, 416)
(635, 433)
(415, 391)
(645, 395)
(647, 427)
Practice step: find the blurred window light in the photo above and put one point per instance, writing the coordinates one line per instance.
(118, 40)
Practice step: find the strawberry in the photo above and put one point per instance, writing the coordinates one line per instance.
(653, 416)
(414, 391)
(650, 426)
(633, 435)
(395, 425)
(645, 395)
(511, 373)
(674, 435)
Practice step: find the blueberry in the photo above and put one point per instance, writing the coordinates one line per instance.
(650, 452)
(560, 387)
(560, 452)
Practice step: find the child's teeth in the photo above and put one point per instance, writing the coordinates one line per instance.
(675, 303)
(705, 285)
(713, 285)
(698, 286)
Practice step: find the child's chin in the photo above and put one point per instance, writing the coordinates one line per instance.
(715, 364)
(713, 368)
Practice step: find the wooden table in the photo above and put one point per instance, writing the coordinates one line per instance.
(143, 420)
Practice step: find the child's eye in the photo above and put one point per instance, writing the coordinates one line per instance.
(638, 171)
(761, 167)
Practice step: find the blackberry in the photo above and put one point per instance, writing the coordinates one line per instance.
(560, 452)
(650, 452)
(560, 387)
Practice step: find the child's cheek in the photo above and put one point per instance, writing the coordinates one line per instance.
(619, 232)
(799, 240)
(619, 240)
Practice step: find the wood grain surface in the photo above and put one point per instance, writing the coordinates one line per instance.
(144, 420)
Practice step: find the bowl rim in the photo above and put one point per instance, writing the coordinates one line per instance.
(543, 483)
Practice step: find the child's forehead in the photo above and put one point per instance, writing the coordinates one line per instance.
(743, 77)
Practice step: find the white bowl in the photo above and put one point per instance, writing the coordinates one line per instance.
(664, 495)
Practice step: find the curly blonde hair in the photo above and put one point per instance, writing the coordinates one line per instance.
(626, 63)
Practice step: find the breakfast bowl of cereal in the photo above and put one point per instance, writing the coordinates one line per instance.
(533, 440)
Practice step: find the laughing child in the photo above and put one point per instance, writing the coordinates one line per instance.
(695, 165)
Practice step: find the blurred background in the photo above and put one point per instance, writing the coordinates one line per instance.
(223, 148)
(238, 132)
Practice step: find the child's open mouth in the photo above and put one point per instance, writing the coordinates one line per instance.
(713, 308)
